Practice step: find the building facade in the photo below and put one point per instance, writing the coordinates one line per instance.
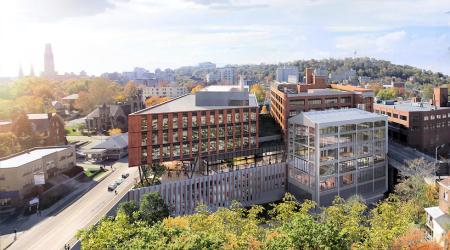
(18, 171)
(228, 76)
(214, 120)
(438, 218)
(287, 100)
(170, 92)
(283, 74)
(337, 152)
(49, 63)
(421, 125)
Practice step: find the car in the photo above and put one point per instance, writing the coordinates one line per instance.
(125, 175)
(119, 181)
(112, 187)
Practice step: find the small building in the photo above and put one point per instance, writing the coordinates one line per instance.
(106, 117)
(21, 173)
(337, 152)
(438, 218)
(59, 107)
(50, 126)
(113, 148)
(69, 101)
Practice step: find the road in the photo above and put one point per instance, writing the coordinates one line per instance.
(54, 232)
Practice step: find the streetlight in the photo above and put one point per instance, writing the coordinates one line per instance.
(436, 160)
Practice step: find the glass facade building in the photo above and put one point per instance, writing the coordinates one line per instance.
(337, 153)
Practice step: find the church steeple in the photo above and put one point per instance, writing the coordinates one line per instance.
(32, 71)
(20, 72)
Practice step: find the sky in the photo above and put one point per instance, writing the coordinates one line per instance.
(117, 35)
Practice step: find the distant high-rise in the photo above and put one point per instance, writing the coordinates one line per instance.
(283, 74)
(49, 64)
(20, 72)
(32, 71)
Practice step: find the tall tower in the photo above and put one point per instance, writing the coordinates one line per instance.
(32, 71)
(20, 72)
(49, 64)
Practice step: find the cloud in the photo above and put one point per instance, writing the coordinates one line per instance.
(371, 42)
(228, 5)
(55, 10)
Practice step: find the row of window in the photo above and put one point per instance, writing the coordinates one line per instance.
(199, 120)
(161, 152)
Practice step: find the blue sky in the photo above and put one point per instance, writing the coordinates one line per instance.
(116, 35)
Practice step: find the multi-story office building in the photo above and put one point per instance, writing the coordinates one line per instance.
(19, 172)
(422, 125)
(283, 74)
(337, 152)
(287, 100)
(228, 76)
(171, 92)
(217, 119)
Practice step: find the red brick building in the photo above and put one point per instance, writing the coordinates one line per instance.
(215, 120)
(287, 100)
(421, 125)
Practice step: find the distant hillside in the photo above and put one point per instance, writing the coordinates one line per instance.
(364, 66)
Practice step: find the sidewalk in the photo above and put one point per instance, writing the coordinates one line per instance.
(6, 241)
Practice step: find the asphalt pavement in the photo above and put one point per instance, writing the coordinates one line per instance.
(56, 231)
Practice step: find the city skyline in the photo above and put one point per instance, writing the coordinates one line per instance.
(117, 35)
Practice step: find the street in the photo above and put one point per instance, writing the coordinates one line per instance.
(54, 232)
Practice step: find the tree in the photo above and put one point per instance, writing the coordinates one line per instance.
(153, 208)
(100, 91)
(414, 239)
(427, 92)
(387, 94)
(258, 91)
(8, 144)
(115, 131)
(22, 129)
(130, 89)
(154, 100)
(129, 209)
(264, 109)
(197, 88)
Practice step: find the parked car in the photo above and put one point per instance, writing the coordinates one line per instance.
(125, 175)
(112, 187)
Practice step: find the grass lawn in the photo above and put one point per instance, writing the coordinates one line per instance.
(73, 131)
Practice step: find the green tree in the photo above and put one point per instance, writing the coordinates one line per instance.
(153, 208)
(387, 94)
(129, 209)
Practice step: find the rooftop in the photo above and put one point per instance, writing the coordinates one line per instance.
(412, 106)
(71, 97)
(336, 116)
(37, 116)
(28, 156)
(187, 103)
(114, 142)
(223, 88)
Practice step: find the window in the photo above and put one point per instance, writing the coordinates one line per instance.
(347, 179)
(327, 183)
(194, 120)
(212, 119)
(144, 123)
(331, 101)
(425, 118)
(314, 102)
(154, 123)
(297, 102)
(175, 122)
(346, 100)
(446, 196)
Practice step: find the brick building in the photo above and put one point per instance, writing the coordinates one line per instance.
(438, 218)
(287, 100)
(215, 120)
(422, 125)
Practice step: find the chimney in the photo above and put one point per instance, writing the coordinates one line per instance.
(440, 97)
(241, 82)
(308, 76)
(49, 115)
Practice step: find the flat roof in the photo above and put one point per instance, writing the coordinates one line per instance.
(412, 106)
(223, 88)
(320, 92)
(27, 157)
(186, 103)
(336, 116)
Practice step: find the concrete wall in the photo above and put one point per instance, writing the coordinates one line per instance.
(248, 186)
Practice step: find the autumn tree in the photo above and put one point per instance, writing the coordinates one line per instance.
(414, 239)
(115, 131)
(258, 91)
(22, 129)
(197, 88)
(264, 109)
(154, 100)
(8, 144)
(100, 91)
(387, 94)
